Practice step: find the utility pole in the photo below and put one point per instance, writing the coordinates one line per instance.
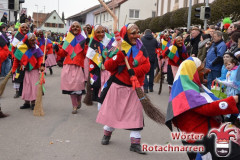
(57, 19)
(205, 21)
(37, 14)
(189, 15)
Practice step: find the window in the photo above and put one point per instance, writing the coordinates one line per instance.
(133, 13)
(47, 24)
(104, 18)
(153, 14)
(176, 1)
(54, 17)
(60, 25)
(54, 25)
(96, 19)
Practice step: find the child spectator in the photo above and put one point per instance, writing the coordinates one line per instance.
(233, 86)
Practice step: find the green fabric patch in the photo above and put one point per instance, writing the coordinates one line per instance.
(187, 84)
(73, 55)
(171, 55)
(113, 52)
(65, 45)
(18, 54)
(135, 63)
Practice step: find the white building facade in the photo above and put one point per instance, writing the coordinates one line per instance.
(54, 23)
(127, 11)
(165, 6)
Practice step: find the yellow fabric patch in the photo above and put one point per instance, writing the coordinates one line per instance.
(125, 46)
(17, 75)
(69, 37)
(97, 59)
(173, 49)
(188, 68)
(23, 48)
(91, 35)
(164, 42)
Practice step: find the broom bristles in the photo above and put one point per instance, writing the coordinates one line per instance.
(157, 78)
(38, 109)
(4, 83)
(151, 111)
(88, 97)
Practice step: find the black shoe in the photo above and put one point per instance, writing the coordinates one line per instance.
(105, 140)
(145, 90)
(25, 106)
(137, 148)
(32, 106)
(151, 90)
(16, 95)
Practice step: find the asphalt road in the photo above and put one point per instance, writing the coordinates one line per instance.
(60, 135)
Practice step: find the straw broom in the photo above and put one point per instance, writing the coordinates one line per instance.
(88, 98)
(151, 111)
(4, 83)
(38, 109)
(158, 74)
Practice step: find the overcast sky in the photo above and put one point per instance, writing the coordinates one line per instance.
(69, 7)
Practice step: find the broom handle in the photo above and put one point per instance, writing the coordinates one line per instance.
(111, 13)
(127, 64)
(45, 48)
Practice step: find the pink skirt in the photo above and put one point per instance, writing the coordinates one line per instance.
(51, 60)
(104, 77)
(29, 92)
(121, 108)
(174, 70)
(161, 61)
(86, 68)
(72, 78)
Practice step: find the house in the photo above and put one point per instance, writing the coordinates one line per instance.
(84, 17)
(7, 6)
(165, 6)
(38, 18)
(127, 11)
(50, 22)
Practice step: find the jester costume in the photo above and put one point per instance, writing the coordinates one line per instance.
(30, 60)
(50, 58)
(72, 76)
(4, 52)
(121, 107)
(17, 80)
(192, 108)
(97, 52)
(175, 56)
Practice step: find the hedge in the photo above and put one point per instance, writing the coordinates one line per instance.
(178, 18)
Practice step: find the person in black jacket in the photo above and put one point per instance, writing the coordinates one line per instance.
(150, 44)
(196, 37)
(4, 18)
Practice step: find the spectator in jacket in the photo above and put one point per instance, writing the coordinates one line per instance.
(4, 18)
(195, 35)
(150, 44)
(202, 46)
(214, 59)
(234, 45)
